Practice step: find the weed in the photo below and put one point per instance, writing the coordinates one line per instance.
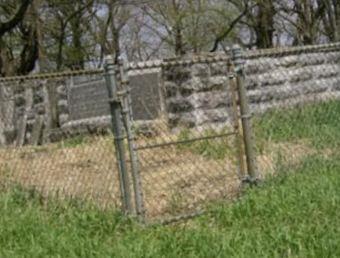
(73, 142)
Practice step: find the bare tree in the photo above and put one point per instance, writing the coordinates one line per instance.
(305, 17)
(18, 41)
(108, 26)
(331, 19)
(59, 34)
(66, 26)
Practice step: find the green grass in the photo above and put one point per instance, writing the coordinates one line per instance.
(318, 123)
(292, 215)
(74, 141)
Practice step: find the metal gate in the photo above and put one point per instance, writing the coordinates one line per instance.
(190, 151)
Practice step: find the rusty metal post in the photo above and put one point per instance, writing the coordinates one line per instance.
(248, 138)
(117, 130)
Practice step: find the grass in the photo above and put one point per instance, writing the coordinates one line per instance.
(75, 141)
(318, 123)
(292, 215)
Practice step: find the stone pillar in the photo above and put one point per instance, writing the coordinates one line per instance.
(196, 94)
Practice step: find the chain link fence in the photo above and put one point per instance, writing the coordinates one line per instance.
(294, 97)
(162, 140)
(189, 142)
(47, 148)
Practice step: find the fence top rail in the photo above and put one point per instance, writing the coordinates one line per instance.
(179, 61)
(224, 57)
(251, 54)
(45, 76)
(132, 66)
(182, 61)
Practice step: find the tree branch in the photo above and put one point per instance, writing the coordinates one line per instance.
(17, 17)
(229, 29)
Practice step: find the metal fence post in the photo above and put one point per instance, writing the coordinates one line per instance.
(128, 123)
(248, 138)
(237, 125)
(117, 130)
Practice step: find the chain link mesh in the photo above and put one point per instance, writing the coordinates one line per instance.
(294, 97)
(184, 117)
(56, 147)
(182, 135)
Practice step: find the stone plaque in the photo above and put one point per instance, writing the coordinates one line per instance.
(88, 98)
(145, 94)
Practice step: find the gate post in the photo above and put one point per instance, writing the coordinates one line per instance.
(237, 124)
(248, 136)
(117, 130)
(128, 123)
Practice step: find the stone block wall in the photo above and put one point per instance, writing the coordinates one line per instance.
(28, 111)
(198, 94)
(7, 109)
(281, 78)
(189, 92)
(40, 111)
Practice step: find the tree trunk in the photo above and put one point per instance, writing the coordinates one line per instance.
(264, 28)
(179, 48)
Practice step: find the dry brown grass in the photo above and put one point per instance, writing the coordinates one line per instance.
(84, 171)
(285, 153)
(174, 180)
(177, 180)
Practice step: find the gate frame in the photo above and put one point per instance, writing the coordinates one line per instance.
(117, 81)
(117, 130)
(245, 116)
